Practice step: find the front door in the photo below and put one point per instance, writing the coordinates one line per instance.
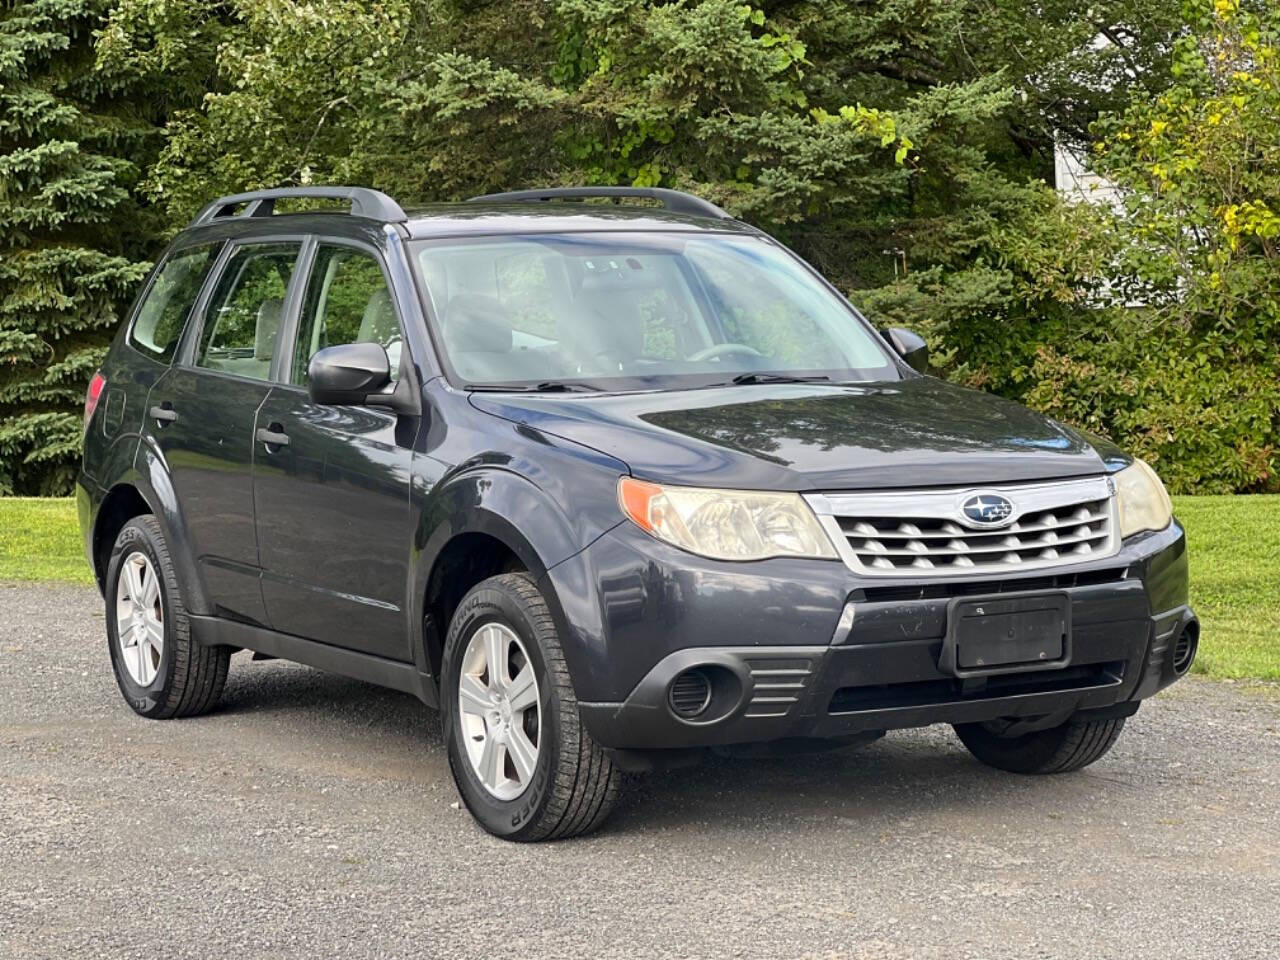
(201, 416)
(331, 483)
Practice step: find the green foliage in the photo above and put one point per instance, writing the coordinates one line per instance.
(69, 232)
(902, 147)
(1157, 323)
(1199, 244)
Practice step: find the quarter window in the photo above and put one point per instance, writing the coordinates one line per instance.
(242, 320)
(163, 312)
(347, 301)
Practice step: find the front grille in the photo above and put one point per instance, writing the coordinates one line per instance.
(926, 533)
(927, 543)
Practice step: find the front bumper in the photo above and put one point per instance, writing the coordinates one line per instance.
(808, 649)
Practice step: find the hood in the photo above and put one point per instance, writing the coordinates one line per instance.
(909, 433)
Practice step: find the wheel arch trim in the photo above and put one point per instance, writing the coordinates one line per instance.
(512, 510)
(149, 477)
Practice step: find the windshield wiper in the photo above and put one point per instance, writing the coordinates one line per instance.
(565, 386)
(777, 378)
(547, 386)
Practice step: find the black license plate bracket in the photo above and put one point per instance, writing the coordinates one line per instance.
(1006, 634)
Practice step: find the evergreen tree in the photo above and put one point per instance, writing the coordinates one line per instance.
(70, 234)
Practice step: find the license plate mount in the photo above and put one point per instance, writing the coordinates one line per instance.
(1007, 634)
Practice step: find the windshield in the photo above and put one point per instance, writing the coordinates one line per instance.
(616, 311)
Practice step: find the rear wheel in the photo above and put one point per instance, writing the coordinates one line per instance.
(1061, 749)
(161, 671)
(524, 765)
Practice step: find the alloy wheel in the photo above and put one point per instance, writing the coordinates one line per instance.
(139, 618)
(499, 710)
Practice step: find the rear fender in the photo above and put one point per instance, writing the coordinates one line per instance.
(150, 475)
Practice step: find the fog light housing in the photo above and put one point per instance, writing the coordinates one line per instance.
(690, 694)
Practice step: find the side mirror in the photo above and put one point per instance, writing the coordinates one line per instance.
(349, 374)
(909, 346)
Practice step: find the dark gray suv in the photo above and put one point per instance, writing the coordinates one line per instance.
(610, 484)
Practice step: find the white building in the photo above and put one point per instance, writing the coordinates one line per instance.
(1075, 181)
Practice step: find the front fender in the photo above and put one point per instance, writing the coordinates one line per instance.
(501, 504)
(536, 526)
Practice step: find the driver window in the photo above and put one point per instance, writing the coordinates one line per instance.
(347, 301)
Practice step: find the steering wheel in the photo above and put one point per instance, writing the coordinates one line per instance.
(718, 350)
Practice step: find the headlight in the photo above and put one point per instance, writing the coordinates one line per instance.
(1143, 502)
(726, 524)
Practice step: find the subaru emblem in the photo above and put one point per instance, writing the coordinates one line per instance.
(988, 509)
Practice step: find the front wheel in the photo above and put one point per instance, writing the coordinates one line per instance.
(524, 765)
(1061, 749)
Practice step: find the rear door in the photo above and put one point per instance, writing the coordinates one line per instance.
(334, 535)
(201, 414)
(150, 341)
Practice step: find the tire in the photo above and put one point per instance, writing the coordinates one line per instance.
(572, 786)
(186, 678)
(1061, 749)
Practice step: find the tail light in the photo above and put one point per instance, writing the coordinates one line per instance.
(96, 385)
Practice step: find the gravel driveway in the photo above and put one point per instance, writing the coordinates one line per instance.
(314, 817)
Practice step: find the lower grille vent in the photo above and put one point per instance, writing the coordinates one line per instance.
(777, 685)
(930, 692)
(972, 588)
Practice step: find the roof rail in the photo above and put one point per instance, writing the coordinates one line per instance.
(673, 200)
(365, 202)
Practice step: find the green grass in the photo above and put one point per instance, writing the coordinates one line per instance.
(1234, 547)
(40, 540)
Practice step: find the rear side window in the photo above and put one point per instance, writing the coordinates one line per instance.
(347, 301)
(242, 319)
(168, 302)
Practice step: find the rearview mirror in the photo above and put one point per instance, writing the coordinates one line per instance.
(909, 346)
(349, 374)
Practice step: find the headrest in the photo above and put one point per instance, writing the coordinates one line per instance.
(378, 325)
(266, 328)
(475, 323)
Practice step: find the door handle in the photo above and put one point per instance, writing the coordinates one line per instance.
(163, 413)
(273, 435)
